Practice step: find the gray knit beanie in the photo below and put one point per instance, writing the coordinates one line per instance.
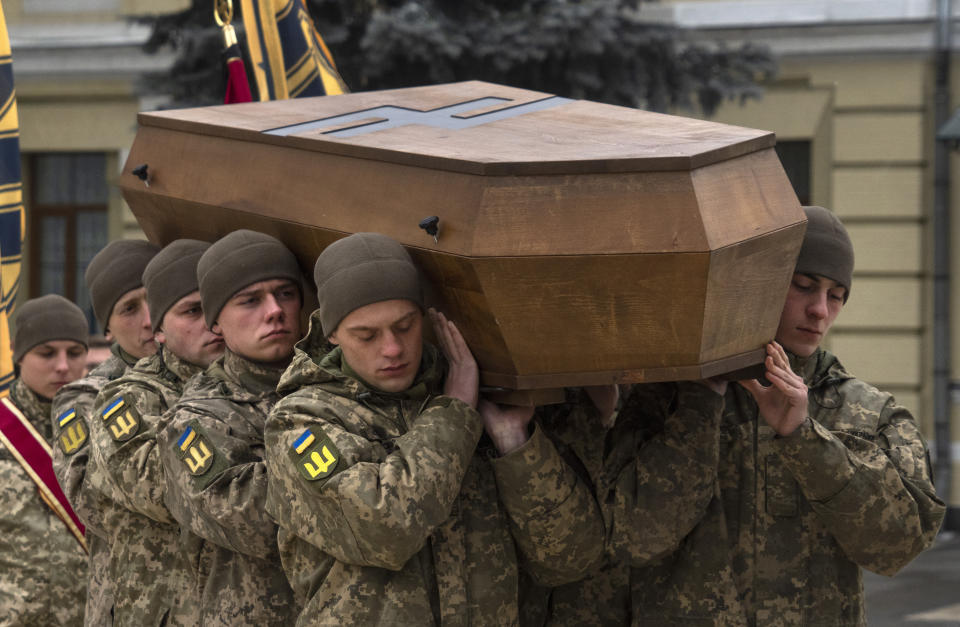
(45, 319)
(240, 259)
(362, 269)
(114, 271)
(171, 275)
(827, 249)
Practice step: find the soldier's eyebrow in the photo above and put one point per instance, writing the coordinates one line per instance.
(362, 328)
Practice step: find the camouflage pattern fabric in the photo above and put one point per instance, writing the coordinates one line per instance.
(796, 517)
(70, 457)
(388, 509)
(152, 581)
(654, 472)
(212, 451)
(42, 566)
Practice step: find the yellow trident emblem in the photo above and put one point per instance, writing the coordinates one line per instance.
(320, 464)
(73, 438)
(199, 456)
(123, 425)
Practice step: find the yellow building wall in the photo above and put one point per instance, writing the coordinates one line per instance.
(871, 127)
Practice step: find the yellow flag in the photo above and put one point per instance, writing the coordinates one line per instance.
(289, 57)
(11, 206)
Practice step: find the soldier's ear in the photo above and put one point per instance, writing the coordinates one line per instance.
(216, 329)
(332, 338)
(160, 337)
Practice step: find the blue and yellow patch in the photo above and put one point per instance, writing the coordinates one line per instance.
(121, 419)
(316, 457)
(195, 451)
(73, 432)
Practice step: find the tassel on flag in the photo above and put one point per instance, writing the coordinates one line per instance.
(238, 89)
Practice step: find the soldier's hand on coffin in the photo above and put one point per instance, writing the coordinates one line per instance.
(783, 405)
(507, 425)
(605, 398)
(463, 377)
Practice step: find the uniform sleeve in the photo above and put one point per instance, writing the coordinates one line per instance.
(864, 487)
(660, 486)
(217, 480)
(555, 518)
(381, 500)
(70, 455)
(124, 448)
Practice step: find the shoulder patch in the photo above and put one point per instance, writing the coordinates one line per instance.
(72, 431)
(121, 419)
(197, 454)
(316, 457)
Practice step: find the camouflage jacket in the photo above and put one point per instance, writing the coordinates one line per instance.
(388, 512)
(654, 472)
(796, 517)
(152, 581)
(212, 451)
(70, 455)
(43, 568)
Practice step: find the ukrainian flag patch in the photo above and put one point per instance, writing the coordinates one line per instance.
(73, 433)
(315, 456)
(121, 419)
(196, 453)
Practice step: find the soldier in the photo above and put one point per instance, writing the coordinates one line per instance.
(212, 447)
(651, 465)
(820, 474)
(118, 296)
(388, 510)
(153, 581)
(43, 565)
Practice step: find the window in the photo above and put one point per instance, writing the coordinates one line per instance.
(795, 157)
(68, 223)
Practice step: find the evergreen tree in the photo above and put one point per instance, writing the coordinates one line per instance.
(593, 49)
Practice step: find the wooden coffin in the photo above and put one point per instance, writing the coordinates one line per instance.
(579, 243)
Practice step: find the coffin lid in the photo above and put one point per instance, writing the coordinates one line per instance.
(500, 130)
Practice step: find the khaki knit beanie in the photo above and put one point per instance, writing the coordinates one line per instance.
(240, 259)
(827, 249)
(46, 319)
(171, 275)
(114, 271)
(362, 269)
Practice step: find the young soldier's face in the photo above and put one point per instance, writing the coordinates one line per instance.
(813, 303)
(129, 324)
(47, 367)
(261, 322)
(383, 343)
(184, 333)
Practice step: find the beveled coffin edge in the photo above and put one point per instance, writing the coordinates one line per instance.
(692, 372)
(750, 140)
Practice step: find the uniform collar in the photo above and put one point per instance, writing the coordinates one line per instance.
(253, 376)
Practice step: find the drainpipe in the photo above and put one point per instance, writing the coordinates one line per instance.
(941, 259)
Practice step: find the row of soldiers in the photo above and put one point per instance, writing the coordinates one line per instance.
(232, 470)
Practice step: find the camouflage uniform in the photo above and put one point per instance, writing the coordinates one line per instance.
(42, 566)
(654, 472)
(797, 516)
(70, 466)
(212, 451)
(152, 580)
(388, 510)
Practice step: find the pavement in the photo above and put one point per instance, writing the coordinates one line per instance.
(924, 594)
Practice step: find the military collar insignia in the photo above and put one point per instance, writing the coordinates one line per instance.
(121, 419)
(316, 457)
(72, 432)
